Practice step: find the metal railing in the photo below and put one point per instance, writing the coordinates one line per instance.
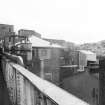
(25, 88)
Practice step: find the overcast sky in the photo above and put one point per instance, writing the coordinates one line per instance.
(78, 21)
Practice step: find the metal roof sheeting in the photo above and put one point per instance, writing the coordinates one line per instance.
(38, 42)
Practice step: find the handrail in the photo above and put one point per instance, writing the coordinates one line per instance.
(58, 95)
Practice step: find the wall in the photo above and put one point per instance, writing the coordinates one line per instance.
(25, 32)
(51, 64)
(74, 57)
(6, 28)
(83, 85)
(21, 90)
(35, 62)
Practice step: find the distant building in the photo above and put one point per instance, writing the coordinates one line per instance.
(85, 57)
(55, 41)
(25, 32)
(66, 45)
(50, 55)
(83, 85)
(6, 29)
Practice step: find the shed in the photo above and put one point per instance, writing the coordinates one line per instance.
(85, 57)
(90, 56)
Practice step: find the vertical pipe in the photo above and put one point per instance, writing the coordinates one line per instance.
(43, 101)
(42, 69)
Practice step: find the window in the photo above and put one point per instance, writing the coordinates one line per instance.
(44, 53)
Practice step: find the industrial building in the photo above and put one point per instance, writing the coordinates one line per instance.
(27, 61)
(45, 58)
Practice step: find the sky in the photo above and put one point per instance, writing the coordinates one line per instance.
(78, 21)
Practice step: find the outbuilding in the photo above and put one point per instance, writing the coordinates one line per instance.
(85, 57)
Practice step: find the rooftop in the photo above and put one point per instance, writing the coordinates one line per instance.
(38, 42)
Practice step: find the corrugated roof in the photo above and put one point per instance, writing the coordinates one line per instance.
(38, 42)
